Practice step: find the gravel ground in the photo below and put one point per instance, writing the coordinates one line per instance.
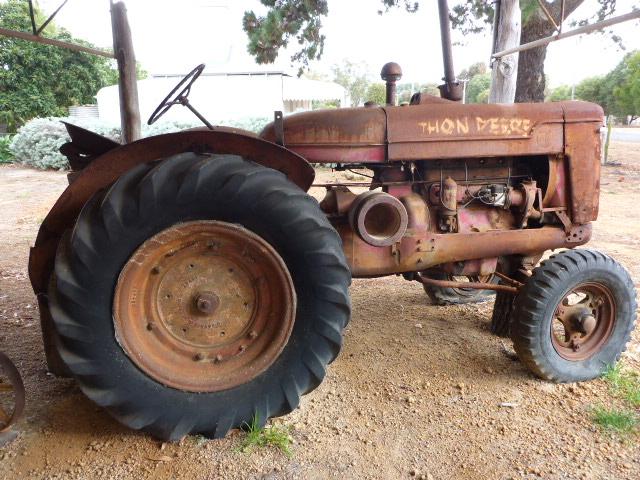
(418, 391)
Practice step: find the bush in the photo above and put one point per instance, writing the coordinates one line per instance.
(38, 142)
(5, 153)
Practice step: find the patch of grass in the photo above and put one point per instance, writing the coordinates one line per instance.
(612, 420)
(274, 435)
(624, 383)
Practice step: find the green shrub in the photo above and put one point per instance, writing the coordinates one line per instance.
(38, 142)
(5, 153)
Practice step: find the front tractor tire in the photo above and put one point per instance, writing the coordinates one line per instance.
(198, 293)
(574, 316)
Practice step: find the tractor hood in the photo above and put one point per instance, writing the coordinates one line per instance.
(430, 131)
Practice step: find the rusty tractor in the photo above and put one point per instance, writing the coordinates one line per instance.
(190, 283)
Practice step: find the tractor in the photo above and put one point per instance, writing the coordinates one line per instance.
(190, 283)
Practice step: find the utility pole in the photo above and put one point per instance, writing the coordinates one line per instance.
(506, 35)
(127, 80)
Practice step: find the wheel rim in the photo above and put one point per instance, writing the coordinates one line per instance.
(583, 321)
(204, 306)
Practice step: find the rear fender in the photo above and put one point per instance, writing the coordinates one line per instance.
(106, 168)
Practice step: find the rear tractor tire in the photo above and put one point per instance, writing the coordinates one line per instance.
(198, 293)
(574, 316)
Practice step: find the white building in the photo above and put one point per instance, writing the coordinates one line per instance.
(232, 85)
(221, 96)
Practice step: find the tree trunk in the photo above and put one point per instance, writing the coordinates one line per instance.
(531, 80)
(504, 70)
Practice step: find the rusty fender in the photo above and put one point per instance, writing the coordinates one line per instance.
(419, 250)
(108, 167)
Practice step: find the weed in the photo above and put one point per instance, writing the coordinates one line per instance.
(624, 383)
(613, 420)
(257, 437)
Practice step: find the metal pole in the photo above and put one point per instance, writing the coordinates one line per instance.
(578, 31)
(445, 37)
(451, 90)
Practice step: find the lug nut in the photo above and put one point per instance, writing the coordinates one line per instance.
(218, 358)
(253, 334)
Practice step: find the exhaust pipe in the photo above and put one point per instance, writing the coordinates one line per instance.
(450, 89)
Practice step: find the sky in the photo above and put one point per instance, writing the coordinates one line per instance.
(173, 36)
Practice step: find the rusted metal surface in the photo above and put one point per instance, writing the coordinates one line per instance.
(14, 388)
(85, 146)
(204, 306)
(379, 218)
(427, 131)
(108, 167)
(391, 73)
(583, 321)
(419, 250)
(582, 149)
(451, 89)
(347, 135)
(473, 285)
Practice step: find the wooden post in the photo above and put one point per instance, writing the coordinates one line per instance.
(127, 83)
(504, 72)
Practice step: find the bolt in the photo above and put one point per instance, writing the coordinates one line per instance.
(197, 357)
(150, 326)
(218, 358)
(207, 302)
(253, 334)
(242, 348)
(155, 270)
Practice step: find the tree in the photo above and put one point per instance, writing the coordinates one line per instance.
(301, 19)
(477, 90)
(42, 80)
(354, 77)
(592, 90)
(617, 92)
(479, 68)
(562, 92)
(627, 94)
(377, 92)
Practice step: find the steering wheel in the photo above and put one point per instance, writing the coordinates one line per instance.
(179, 99)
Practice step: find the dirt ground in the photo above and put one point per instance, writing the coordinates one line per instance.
(416, 391)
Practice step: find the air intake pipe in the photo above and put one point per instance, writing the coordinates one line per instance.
(378, 218)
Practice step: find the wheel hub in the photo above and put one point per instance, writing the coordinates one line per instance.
(583, 321)
(204, 306)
